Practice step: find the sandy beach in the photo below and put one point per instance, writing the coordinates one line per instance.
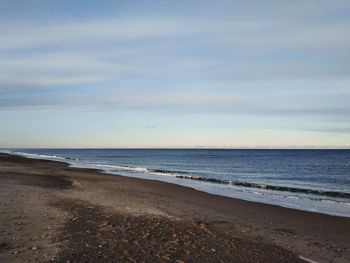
(50, 212)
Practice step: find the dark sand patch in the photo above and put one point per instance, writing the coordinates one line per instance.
(93, 235)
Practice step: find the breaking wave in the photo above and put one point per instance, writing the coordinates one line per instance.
(187, 176)
(43, 156)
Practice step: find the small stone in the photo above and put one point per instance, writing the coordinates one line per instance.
(35, 247)
(165, 258)
(136, 243)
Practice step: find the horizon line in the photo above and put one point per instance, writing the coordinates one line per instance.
(195, 148)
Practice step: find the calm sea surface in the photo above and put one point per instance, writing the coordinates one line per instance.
(313, 180)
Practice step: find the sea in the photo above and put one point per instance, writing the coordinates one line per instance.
(309, 180)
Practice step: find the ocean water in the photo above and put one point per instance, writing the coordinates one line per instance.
(311, 180)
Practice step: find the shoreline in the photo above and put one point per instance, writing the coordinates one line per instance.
(309, 199)
(311, 235)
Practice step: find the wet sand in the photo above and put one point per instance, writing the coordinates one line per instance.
(50, 212)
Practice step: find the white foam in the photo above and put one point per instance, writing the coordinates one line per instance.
(39, 156)
(124, 168)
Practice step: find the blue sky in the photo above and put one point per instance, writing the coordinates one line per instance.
(175, 73)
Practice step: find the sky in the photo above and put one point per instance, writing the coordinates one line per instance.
(175, 73)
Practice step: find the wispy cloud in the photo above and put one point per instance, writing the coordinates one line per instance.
(21, 36)
(188, 101)
(70, 53)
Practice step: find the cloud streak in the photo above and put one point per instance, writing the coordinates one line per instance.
(68, 53)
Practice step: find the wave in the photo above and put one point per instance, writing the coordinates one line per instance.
(124, 168)
(142, 170)
(44, 156)
(270, 187)
(185, 175)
